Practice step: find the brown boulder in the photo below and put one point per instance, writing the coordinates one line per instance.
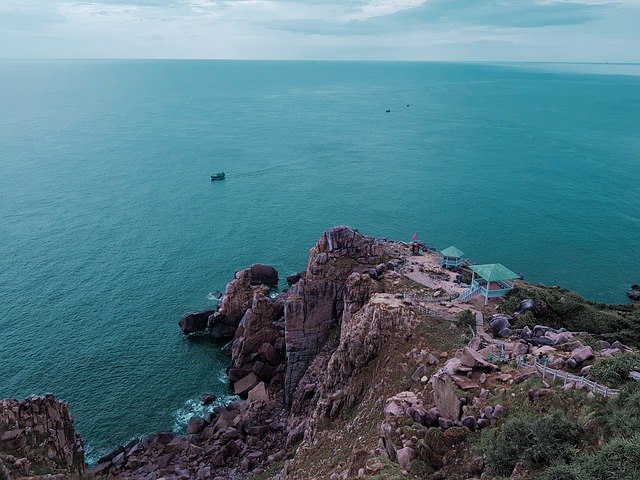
(264, 275)
(195, 321)
(242, 386)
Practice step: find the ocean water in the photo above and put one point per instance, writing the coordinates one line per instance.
(110, 229)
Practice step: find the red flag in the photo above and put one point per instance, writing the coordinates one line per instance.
(414, 236)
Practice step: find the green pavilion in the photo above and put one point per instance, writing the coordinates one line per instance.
(451, 257)
(491, 281)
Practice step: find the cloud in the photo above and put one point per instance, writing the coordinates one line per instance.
(28, 15)
(373, 17)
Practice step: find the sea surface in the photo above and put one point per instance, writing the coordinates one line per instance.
(111, 231)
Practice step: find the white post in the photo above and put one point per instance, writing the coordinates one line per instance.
(486, 293)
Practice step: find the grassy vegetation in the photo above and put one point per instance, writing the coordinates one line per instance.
(536, 440)
(614, 371)
(564, 308)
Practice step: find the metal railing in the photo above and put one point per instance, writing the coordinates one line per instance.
(417, 307)
(567, 377)
(467, 294)
(431, 299)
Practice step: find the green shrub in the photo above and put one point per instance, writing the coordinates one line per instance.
(618, 459)
(536, 440)
(561, 471)
(614, 371)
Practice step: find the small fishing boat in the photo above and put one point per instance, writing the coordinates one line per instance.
(217, 176)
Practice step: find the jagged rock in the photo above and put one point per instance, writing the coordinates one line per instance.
(315, 303)
(237, 300)
(42, 424)
(399, 405)
(445, 423)
(559, 337)
(13, 439)
(195, 321)
(256, 333)
(498, 411)
(526, 333)
(432, 360)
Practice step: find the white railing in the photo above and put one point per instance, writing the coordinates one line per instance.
(431, 299)
(417, 307)
(567, 377)
(467, 294)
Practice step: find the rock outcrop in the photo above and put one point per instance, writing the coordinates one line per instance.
(195, 321)
(38, 432)
(634, 292)
(315, 303)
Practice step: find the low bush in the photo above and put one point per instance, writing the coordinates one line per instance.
(614, 371)
(538, 441)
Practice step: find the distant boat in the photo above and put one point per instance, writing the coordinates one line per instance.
(217, 176)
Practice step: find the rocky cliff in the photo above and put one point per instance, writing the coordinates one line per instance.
(37, 437)
(344, 376)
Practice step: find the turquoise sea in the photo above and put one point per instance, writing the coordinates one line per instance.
(110, 229)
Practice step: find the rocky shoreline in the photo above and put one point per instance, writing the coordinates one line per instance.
(313, 366)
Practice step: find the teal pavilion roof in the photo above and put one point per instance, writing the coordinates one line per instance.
(452, 252)
(494, 272)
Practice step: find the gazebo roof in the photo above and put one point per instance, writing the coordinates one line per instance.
(494, 272)
(452, 252)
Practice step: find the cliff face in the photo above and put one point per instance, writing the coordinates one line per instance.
(38, 436)
(315, 304)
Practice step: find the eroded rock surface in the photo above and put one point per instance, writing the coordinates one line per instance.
(39, 431)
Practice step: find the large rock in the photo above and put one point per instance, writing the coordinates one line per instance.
(446, 400)
(472, 358)
(634, 292)
(500, 325)
(195, 321)
(257, 329)
(245, 384)
(264, 275)
(582, 354)
(315, 304)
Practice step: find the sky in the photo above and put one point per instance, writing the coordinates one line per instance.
(431, 30)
